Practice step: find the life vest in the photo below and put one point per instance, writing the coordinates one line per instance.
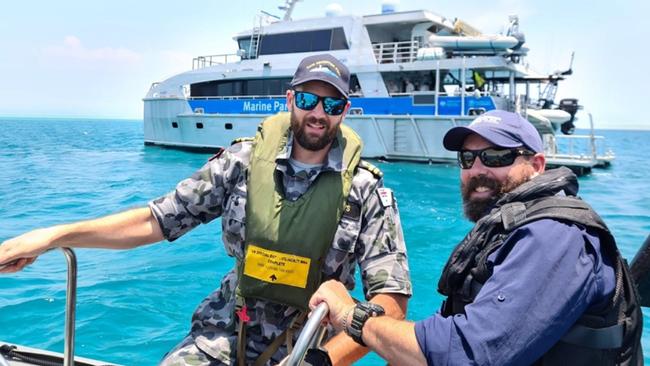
(609, 337)
(287, 241)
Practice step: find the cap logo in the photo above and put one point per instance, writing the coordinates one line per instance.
(486, 119)
(326, 67)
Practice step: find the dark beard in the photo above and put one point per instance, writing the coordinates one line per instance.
(475, 208)
(310, 142)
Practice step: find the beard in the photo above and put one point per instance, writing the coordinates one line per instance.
(312, 143)
(476, 208)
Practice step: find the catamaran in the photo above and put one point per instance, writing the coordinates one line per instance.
(415, 75)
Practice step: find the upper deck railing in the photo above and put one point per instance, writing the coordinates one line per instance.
(396, 52)
(201, 62)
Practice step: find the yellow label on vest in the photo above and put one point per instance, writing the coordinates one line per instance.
(276, 267)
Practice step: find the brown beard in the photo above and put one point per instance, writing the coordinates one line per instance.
(310, 142)
(475, 208)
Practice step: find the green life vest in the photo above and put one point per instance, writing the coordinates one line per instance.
(286, 242)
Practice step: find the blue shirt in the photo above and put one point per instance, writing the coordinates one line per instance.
(546, 274)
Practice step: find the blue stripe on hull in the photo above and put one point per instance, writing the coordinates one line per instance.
(448, 106)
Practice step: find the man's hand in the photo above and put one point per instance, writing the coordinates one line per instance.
(337, 298)
(18, 252)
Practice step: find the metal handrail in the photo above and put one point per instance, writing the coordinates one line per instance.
(201, 62)
(310, 336)
(395, 52)
(70, 307)
(70, 310)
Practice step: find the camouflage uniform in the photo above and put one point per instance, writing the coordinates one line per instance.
(373, 239)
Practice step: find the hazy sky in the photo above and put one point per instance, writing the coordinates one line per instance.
(98, 58)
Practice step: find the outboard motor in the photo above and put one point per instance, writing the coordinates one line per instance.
(569, 105)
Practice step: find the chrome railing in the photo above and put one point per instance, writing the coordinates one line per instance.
(70, 310)
(395, 52)
(311, 335)
(70, 307)
(589, 147)
(201, 62)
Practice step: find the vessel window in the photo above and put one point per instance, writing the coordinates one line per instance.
(356, 111)
(228, 126)
(309, 41)
(199, 125)
(429, 99)
(255, 87)
(247, 87)
(272, 87)
(245, 44)
(224, 89)
(238, 87)
(338, 40)
(175, 124)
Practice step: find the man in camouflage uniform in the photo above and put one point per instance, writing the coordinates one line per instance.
(369, 233)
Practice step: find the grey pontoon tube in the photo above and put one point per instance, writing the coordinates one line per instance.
(70, 307)
(311, 335)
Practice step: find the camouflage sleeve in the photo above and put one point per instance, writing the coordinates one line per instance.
(199, 199)
(380, 249)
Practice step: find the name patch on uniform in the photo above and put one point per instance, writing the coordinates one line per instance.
(276, 267)
(385, 196)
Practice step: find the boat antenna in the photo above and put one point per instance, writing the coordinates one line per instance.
(288, 8)
(570, 70)
(269, 15)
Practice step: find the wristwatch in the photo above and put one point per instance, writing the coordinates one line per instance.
(361, 313)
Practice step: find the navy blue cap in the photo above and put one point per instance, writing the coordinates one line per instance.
(326, 68)
(501, 128)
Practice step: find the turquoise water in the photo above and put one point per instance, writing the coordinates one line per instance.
(135, 305)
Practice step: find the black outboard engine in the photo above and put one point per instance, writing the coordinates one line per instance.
(569, 105)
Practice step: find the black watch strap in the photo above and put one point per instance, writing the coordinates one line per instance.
(361, 313)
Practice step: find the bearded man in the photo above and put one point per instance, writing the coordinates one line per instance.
(298, 207)
(538, 280)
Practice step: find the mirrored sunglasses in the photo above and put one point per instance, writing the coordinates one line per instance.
(308, 101)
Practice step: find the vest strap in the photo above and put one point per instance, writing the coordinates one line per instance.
(240, 304)
(241, 344)
(512, 214)
(286, 335)
(601, 338)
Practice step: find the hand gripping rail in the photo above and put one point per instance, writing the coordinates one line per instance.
(70, 309)
(311, 335)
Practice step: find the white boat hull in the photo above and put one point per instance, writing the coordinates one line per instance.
(403, 137)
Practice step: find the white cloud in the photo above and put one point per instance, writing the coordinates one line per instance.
(177, 60)
(72, 49)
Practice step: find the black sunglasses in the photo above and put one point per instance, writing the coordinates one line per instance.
(308, 101)
(491, 157)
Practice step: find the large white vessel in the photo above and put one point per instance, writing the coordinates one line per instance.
(415, 74)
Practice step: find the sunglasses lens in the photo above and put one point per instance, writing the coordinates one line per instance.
(306, 101)
(466, 159)
(333, 106)
(495, 158)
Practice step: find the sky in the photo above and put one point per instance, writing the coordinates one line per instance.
(74, 58)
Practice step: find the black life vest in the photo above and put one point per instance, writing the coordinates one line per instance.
(607, 337)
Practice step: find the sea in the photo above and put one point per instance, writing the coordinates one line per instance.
(135, 305)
